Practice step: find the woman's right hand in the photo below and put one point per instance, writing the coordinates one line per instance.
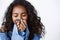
(21, 25)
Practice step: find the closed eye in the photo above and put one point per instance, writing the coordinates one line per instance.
(15, 14)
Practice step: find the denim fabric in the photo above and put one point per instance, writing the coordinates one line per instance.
(18, 35)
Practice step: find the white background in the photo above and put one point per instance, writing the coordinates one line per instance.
(48, 10)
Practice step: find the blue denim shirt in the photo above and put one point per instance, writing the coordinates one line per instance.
(18, 35)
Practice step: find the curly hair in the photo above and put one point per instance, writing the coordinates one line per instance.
(34, 22)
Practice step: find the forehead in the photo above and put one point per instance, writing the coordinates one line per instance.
(19, 9)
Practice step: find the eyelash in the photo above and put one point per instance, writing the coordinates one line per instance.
(24, 15)
(15, 16)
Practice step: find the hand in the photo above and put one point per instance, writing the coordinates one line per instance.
(21, 25)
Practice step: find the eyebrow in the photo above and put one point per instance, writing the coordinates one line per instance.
(24, 12)
(21, 13)
(15, 13)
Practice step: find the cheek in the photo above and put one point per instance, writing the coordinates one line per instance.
(25, 21)
(13, 19)
(24, 18)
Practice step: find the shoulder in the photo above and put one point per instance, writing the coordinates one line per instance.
(3, 36)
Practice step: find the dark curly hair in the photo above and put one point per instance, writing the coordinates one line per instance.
(34, 22)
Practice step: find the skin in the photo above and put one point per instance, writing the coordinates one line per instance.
(19, 12)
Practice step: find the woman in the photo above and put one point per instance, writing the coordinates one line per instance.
(22, 22)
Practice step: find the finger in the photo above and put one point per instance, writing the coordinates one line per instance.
(17, 22)
(21, 27)
(23, 23)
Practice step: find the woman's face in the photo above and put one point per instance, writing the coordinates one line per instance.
(19, 12)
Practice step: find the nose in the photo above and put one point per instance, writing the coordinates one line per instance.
(18, 20)
(19, 17)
